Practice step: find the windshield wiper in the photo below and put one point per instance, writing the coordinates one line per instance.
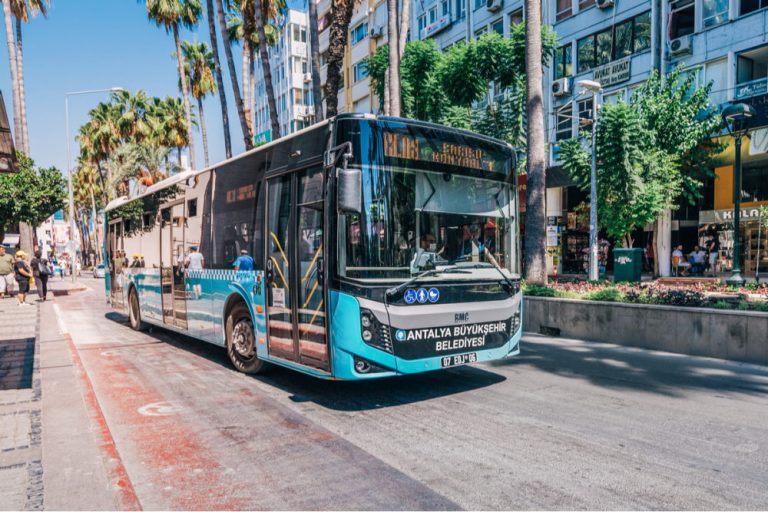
(445, 270)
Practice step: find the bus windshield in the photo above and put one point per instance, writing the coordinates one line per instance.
(431, 198)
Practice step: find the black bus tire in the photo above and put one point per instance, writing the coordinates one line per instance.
(134, 311)
(241, 341)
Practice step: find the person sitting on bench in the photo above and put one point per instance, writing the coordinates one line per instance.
(678, 262)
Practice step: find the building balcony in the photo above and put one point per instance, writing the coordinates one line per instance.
(299, 49)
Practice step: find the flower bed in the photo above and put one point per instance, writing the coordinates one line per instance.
(750, 297)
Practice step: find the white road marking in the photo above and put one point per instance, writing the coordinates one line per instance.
(60, 319)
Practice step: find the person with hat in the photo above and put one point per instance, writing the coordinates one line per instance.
(23, 275)
(6, 273)
(243, 262)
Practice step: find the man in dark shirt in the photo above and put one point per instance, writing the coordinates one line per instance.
(23, 275)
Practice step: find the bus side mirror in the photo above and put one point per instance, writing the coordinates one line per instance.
(350, 190)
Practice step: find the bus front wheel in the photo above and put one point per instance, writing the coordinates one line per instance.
(241, 341)
(134, 312)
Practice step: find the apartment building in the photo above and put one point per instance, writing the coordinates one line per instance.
(289, 59)
(367, 31)
(618, 43)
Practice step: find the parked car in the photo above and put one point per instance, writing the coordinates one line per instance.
(98, 271)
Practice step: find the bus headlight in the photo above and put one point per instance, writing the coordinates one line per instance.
(374, 332)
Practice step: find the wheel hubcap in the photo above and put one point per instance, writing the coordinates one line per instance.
(243, 339)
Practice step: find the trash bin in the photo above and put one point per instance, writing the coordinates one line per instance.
(627, 265)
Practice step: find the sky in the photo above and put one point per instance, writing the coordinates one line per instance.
(97, 44)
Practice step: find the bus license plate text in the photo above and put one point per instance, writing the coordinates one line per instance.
(458, 359)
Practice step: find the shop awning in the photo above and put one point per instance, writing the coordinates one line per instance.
(8, 162)
(557, 177)
(11, 240)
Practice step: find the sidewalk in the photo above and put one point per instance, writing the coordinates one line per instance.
(50, 456)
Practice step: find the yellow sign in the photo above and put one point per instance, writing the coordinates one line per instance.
(397, 145)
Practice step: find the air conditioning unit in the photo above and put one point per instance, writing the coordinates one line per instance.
(561, 87)
(307, 77)
(604, 4)
(376, 31)
(680, 46)
(494, 5)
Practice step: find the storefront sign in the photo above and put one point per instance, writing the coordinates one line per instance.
(724, 216)
(437, 26)
(613, 73)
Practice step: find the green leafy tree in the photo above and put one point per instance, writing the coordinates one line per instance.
(635, 179)
(30, 195)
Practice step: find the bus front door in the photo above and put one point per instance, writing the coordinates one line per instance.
(172, 266)
(294, 263)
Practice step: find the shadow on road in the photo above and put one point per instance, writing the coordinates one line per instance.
(635, 368)
(339, 395)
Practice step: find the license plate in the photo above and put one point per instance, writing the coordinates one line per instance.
(458, 359)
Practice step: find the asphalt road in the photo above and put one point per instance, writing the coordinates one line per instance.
(566, 425)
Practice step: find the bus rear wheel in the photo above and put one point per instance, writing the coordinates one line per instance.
(241, 341)
(134, 312)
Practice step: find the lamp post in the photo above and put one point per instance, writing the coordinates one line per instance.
(736, 118)
(597, 96)
(72, 227)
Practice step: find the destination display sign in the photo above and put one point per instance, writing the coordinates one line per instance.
(446, 340)
(401, 145)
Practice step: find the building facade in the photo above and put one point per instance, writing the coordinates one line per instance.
(290, 65)
(618, 43)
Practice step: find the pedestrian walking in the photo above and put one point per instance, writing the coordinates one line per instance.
(42, 271)
(23, 275)
(6, 273)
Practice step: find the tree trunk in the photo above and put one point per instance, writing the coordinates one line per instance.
(247, 135)
(203, 131)
(219, 80)
(405, 21)
(314, 44)
(266, 71)
(244, 66)
(393, 71)
(185, 94)
(95, 223)
(341, 13)
(252, 89)
(22, 94)
(11, 43)
(386, 104)
(27, 237)
(664, 243)
(535, 210)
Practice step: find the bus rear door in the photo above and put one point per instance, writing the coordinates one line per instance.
(294, 262)
(171, 265)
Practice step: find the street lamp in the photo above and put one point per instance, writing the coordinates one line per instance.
(597, 92)
(72, 227)
(736, 119)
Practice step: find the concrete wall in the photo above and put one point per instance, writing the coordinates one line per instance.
(739, 336)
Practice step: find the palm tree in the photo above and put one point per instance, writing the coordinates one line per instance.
(242, 22)
(535, 251)
(341, 14)
(392, 108)
(87, 188)
(314, 48)
(169, 14)
(263, 11)
(219, 81)
(13, 65)
(171, 124)
(200, 64)
(22, 11)
(247, 135)
(131, 110)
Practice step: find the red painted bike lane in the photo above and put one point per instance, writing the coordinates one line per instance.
(179, 429)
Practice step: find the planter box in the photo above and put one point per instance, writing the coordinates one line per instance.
(735, 335)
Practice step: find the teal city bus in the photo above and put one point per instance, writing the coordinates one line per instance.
(380, 246)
